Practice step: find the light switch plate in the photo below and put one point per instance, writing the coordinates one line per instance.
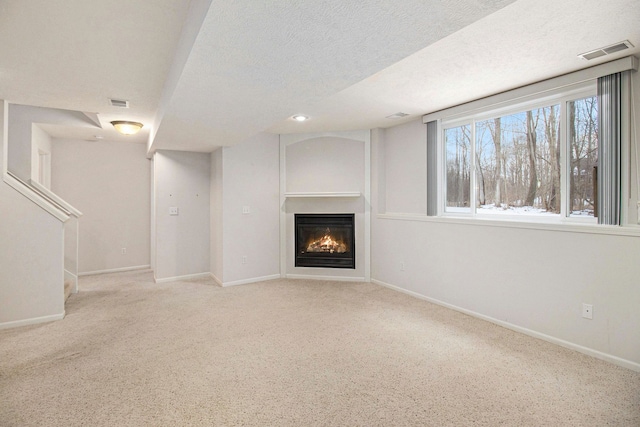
(587, 311)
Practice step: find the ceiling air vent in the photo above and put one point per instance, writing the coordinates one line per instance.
(120, 103)
(607, 50)
(397, 116)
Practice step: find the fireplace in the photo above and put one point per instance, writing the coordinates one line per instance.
(325, 240)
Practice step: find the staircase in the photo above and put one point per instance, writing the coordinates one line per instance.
(38, 193)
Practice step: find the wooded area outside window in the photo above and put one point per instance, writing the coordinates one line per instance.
(583, 154)
(457, 142)
(538, 159)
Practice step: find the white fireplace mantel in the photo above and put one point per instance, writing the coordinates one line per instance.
(322, 194)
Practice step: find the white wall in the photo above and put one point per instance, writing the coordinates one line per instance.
(182, 180)
(532, 279)
(31, 255)
(152, 214)
(109, 183)
(217, 234)
(31, 266)
(40, 144)
(325, 164)
(251, 179)
(21, 127)
(405, 163)
(19, 141)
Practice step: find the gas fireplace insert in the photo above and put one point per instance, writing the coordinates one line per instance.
(325, 240)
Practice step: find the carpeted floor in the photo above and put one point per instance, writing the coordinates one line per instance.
(292, 353)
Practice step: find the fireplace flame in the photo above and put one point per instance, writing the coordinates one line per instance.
(327, 244)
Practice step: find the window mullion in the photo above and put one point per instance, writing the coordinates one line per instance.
(472, 172)
(441, 169)
(565, 156)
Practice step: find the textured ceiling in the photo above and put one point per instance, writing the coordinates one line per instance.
(202, 74)
(76, 54)
(256, 63)
(525, 42)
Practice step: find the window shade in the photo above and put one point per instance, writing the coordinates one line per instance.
(610, 146)
(432, 168)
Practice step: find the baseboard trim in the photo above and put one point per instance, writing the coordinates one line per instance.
(247, 281)
(567, 344)
(115, 270)
(74, 278)
(215, 278)
(32, 321)
(331, 278)
(185, 277)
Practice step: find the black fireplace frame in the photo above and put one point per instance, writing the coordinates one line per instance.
(325, 260)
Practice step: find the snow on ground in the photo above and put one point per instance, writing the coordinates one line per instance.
(511, 210)
(492, 209)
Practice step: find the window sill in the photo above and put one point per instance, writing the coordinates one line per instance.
(522, 223)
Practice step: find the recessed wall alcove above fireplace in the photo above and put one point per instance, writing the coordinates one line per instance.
(325, 204)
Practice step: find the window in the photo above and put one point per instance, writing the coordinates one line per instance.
(518, 163)
(583, 151)
(458, 165)
(539, 160)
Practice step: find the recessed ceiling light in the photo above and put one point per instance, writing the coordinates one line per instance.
(300, 118)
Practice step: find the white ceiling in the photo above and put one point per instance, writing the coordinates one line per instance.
(203, 74)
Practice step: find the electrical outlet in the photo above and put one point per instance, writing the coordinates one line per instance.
(173, 210)
(245, 210)
(587, 311)
(244, 259)
(402, 266)
(124, 251)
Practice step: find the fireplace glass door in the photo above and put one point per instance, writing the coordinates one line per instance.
(325, 240)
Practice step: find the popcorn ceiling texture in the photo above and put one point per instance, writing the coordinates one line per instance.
(265, 60)
(292, 353)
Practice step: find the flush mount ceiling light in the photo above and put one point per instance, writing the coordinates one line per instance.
(300, 118)
(398, 115)
(126, 127)
(607, 50)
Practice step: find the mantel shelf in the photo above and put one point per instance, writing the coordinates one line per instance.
(323, 194)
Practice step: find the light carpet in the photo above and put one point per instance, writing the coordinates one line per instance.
(292, 353)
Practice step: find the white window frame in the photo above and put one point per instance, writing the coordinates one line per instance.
(565, 163)
(442, 167)
(528, 92)
(558, 97)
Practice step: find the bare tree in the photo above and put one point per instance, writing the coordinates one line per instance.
(531, 145)
(552, 136)
(458, 168)
(583, 142)
(573, 136)
(496, 134)
(480, 166)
